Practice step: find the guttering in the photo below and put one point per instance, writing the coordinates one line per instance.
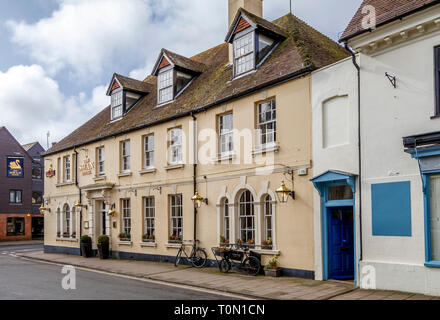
(358, 68)
(77, 185)
(288, 77)
(399, 17)
(195, 172)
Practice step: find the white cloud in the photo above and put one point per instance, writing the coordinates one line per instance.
(31, 104)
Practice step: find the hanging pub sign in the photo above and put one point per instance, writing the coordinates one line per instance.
(87, 167)
(51, 172)
(15, 167)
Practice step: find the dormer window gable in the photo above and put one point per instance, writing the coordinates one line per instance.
(174, 74)
(124, 94)
(252, 39)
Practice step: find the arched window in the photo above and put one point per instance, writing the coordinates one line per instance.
(66, 221)
(58, 223)
(246, 218)
(73, 223)
(267, 242)
(226, 222)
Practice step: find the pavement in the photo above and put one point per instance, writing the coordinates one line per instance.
(21, 243)
(259, 287)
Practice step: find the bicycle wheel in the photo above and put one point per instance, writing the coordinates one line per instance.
(251, 265)
(199, 258)
(178, 257)
(224, 266)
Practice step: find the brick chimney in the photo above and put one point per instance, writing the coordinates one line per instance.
(253, 6)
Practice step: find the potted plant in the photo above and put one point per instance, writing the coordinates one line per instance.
(272, 269)
(73, 235)
(124, 236)
(267, 244)
(175, 239)
(58, 234)
(148, 238)
(66, 235)
(104, 247)
(86, 246)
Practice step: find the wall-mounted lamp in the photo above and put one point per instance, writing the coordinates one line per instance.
(198, 200)
(283, 193)
(43, 209)
(112, 211)
(79, 205)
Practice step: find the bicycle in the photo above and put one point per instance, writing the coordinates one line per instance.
(197, 258)
(249, 261)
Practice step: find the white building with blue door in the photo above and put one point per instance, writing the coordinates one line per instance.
(396, 230)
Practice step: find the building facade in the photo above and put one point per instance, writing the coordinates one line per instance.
(16, 187)
(230, 124)
(395, 227)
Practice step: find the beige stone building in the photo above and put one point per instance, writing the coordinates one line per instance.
(232, 123)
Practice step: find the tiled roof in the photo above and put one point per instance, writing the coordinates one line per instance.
(133, 84)
(303, 50)
(181, 61)
(386, 11)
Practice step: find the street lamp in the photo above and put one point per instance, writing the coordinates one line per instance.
(198, 199)
(43, 209)
(283, 193)
(112, 211)
(79, 205)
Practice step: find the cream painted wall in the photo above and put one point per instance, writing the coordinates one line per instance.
(293, 221)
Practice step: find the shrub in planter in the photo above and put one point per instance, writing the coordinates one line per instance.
(272, 269)
(86, 246)
(124, 236)
(104, 247)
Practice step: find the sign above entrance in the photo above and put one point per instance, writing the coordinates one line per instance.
(87, 166)
(51, 172)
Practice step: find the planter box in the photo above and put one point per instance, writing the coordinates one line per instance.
(103, 250)
(86, 250)
(275, 273)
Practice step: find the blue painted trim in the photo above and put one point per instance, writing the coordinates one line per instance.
(432, 264)
(58, 249)
(339, 203)
(423, 153)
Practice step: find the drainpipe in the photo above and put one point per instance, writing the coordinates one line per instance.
(77, 185)
(195, 171)
(358, 68)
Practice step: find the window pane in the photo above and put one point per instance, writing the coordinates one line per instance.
(244, 53)
(435, 217)
(340, 193)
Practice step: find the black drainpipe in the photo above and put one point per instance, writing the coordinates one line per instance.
(358, 68)
(195, 176)
(77, 185)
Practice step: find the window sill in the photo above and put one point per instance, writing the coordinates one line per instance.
(268, 252)
(432, 264)
(224, 157)
(64, 184)
(148, 170)
(163, 104)
(173, 245)
(100, 178)
(125, 243)
(124, 174)
(148, 244)
(266, 149)
(437, 116)
(175, 166)
(67, 239)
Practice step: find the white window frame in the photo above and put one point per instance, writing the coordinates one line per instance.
(226, 216)
(100, 161)
(66, 220)
(165, 86)
(225, 134)
(117, 104)
(149, 216)
(268, 214)
(263, 125)
(176, 215)
(149, 151)
(125, 156)
(243, 215)
(126, 216)
(175, 146)
(67, 169)
(241, 53)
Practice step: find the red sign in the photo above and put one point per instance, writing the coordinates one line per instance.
(51, 172)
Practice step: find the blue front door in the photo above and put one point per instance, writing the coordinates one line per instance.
(341, 243)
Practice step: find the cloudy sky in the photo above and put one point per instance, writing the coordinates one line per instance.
(57, 56)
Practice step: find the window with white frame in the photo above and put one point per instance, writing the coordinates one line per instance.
(246, 218)
(267, 125)
(226, 137)
(226, 222)
(126, 216)
(267, 242)
(149, 151)
(149, 205)
(175, 136)
(66, 221)
(101, 161)
(244, 58)
(73, 234)
(176, 218)
(67, 169)
(116, 104)
(125, 156)
(58, 223)
(165, 86)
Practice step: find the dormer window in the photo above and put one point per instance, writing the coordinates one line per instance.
(244, 54)
(117, 105)
(165, 86)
